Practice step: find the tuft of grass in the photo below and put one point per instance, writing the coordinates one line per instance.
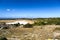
(57, 28)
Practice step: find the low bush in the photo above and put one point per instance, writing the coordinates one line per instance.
(28, 26)
(16, 25)
(5, 27)
(3, 38)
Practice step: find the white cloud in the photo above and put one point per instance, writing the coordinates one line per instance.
(8, 9)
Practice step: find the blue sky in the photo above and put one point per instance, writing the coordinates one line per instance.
(29, 8)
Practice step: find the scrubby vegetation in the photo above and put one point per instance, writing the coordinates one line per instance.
(57, 28)
(16, 25)
(28, 26)
(5, 27)
(41, 29)
(3, 38)
(47, 21)
(38, 22)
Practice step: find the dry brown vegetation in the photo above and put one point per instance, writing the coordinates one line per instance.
(35, 33)
(30, 21)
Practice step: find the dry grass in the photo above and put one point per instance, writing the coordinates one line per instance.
(30, 21)
(35, 33)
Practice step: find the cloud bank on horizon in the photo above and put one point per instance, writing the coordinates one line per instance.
(29, 8)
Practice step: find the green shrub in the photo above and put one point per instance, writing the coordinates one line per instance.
(39, 23)
(28, 26)
(58, 23)
(3, 38)
(16, 25)
(5, 27)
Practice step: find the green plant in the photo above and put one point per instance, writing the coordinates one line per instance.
(28, 26)
(3, 38)
(16, 25)
(5, 27)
